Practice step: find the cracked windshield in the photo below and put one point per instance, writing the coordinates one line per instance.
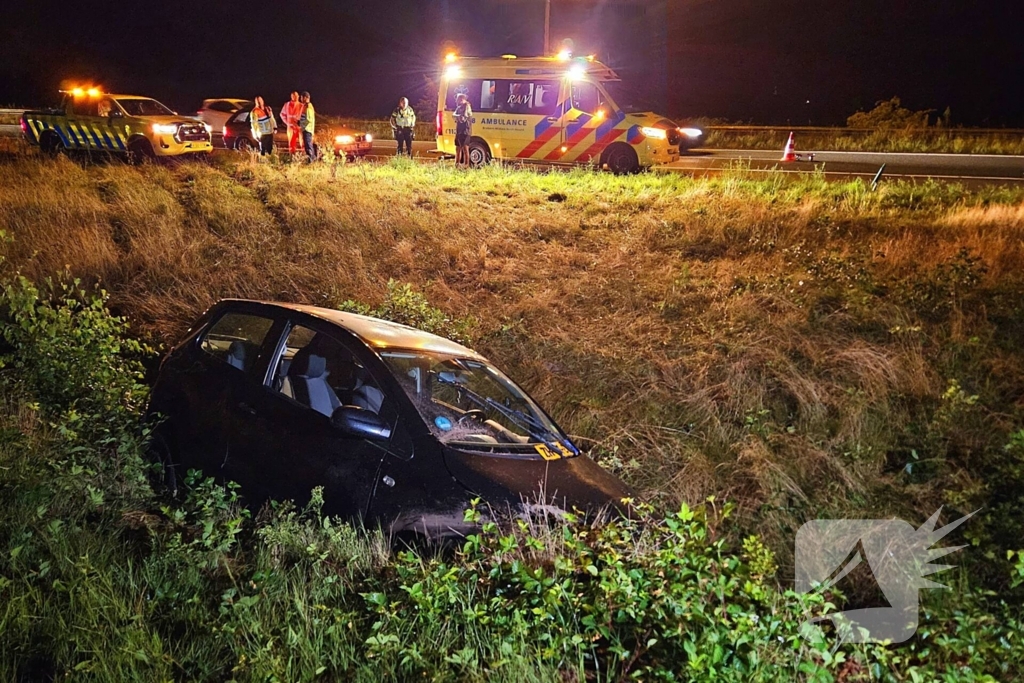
(472, 404)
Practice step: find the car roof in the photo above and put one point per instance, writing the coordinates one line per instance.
(374, 332)
(233, 100)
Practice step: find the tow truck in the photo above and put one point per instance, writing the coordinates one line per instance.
(137, 127)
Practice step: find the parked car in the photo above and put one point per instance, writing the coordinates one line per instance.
(216, 112)
(399, 427)
(238, 135)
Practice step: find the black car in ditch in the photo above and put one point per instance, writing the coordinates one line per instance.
(400, 427)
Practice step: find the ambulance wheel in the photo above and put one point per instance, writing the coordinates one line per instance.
(479, 153)
(621, 160)
(244, 144)
(139, 150)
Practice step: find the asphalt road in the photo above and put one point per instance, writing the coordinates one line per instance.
(975, 169)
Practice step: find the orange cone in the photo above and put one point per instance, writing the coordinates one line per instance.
(788, 154)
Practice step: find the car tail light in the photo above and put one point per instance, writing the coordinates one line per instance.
(24, 125)
(440, 120)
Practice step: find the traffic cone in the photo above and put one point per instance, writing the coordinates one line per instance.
(788, 154)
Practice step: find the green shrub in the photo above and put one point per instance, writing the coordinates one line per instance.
(403, 304)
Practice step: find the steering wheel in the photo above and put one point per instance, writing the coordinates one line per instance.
(473, 414)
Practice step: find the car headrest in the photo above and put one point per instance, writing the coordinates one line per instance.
(308, 365)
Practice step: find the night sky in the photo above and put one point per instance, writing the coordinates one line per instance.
(760, 61)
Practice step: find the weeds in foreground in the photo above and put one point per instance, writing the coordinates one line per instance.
(99, 577)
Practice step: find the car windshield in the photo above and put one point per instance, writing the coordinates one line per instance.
(471, 404)
(143, 106)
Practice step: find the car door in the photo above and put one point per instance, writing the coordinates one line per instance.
(584, 111)
(227, 362)
(284, 442)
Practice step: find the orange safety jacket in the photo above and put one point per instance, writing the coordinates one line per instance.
(290, 113)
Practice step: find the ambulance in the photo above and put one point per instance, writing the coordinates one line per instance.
(553, 110)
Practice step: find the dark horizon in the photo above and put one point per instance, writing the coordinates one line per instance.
(788, 61)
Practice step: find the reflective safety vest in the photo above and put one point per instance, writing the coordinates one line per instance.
(262, 122)
(403, 117)
(290, 113)
(307, 121)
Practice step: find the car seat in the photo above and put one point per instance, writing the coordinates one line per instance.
(308, 382)
(236, 355)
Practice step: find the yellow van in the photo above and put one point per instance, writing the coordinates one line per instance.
(552, 110)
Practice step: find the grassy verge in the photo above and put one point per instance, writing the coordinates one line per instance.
(797, 347)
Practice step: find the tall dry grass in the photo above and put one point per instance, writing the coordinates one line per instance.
(782, 343)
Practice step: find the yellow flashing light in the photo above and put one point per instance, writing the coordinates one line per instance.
(564, 149)
(599, 115)
(577, 71)
(565, 54)
(591, 58)
(94, 92)
(452, 72)
(508, 57)
(77, 92)
(450, 57)
(344, 139)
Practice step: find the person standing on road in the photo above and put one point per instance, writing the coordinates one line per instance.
(403, 121)
(307, 123)
(263, 125)
(463, 129)
(290, 113)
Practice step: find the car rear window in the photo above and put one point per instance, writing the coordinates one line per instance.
(236, 339)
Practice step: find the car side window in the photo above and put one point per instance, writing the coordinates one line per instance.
(586, 97)
(236, 339)
(319, 372)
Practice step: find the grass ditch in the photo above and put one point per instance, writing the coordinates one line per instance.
(796, 347)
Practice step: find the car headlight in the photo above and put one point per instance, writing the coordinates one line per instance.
(209, 128)
(344, 139)
(369, 138)
(165, 128)
(656, 133)
(691, 132)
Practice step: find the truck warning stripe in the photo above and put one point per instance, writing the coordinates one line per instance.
(95, 136)
(61, 135)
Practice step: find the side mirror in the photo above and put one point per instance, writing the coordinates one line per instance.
(115, 114)
(356, 421)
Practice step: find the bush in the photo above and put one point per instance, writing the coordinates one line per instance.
(890, 114)
(403, 304)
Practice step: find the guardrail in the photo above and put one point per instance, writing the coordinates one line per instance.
(920, 140)
(836, 130)
(10, 116)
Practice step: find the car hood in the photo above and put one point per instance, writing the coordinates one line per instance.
(565, 483)
(649, 118)
(173, 118)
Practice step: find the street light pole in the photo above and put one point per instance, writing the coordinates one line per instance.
(547, 27)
